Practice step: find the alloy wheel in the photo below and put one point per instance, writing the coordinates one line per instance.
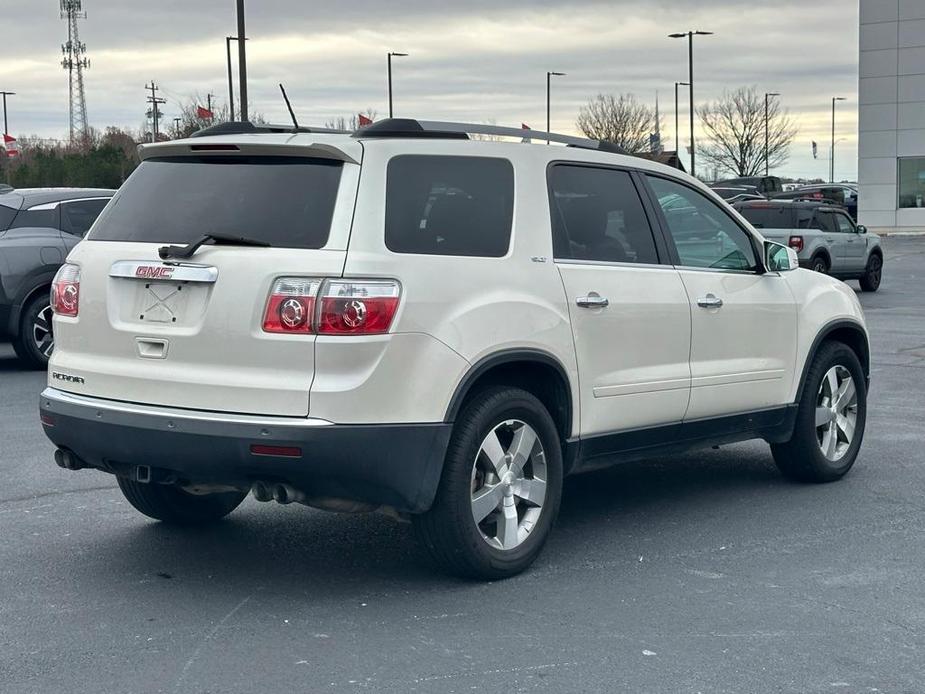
(874, 271)
(508, 484)
(42, 333)
(836, 413)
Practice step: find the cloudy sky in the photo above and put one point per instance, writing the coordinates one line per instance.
(473, 60)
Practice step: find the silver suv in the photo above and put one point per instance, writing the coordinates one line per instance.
(824, 236)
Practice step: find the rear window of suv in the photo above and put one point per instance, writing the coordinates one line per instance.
(769, 217)
(287, 202)
(446, 205)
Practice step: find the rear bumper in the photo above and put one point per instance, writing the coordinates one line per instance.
(384, 464)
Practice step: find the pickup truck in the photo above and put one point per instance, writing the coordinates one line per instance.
(824, 236)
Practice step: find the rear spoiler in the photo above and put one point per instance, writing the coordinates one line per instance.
(186, 148)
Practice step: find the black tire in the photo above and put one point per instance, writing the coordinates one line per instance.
(870, 280)
(801, 458)
(172, 505)
(819, 264)
(448, 531)
(34, 322)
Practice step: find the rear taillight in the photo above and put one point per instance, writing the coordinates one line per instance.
(796, 243)
(357, 307)
(65, 290)
(291, 305)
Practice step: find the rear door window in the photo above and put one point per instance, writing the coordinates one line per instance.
(447, 205)
(6, 216)
(287, 202)
(597, 215)
(41, 216)
(78, 216)
(825, 221)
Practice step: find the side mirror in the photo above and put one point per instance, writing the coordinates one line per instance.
(780, 258)
(862, 229)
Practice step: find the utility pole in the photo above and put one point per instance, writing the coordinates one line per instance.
(677, 144)
(549, 76)
(155, 101)
(242, 60)
(389, 63)
(176, 126)
(6, 127)
(766, 162)
(690, 79)
(209, 106)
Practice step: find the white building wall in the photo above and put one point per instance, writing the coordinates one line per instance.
(891, 111)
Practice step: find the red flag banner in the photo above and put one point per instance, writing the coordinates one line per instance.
(524, 126)
(203, 113)
(364, 121)
(8, 146)
(7, 138)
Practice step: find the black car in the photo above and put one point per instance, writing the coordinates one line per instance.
(835, 193)
(38, 227)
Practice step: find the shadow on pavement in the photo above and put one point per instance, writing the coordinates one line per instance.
(294, 549)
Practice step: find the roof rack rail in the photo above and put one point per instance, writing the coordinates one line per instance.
(410, 127)
(246, 127)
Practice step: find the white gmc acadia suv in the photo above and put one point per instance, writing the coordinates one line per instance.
(407, 320)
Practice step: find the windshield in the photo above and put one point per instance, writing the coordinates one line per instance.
(287, 202)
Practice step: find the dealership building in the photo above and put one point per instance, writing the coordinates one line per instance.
(891, 115)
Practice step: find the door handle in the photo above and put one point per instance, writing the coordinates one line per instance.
(829, 239)
(592, 300)
(710, 301)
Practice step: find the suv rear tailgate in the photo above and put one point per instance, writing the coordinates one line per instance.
(189, 332)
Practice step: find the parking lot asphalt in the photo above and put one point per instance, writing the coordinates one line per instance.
(703, 573)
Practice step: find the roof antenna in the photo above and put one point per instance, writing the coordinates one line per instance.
(295, 123)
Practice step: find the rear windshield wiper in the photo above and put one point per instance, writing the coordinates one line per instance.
(187, 251)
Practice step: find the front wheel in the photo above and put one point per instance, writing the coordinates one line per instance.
(169, 503)
(873, 273)
(500, 489)
(830, 420)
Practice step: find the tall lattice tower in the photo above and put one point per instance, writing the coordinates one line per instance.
(75, 62)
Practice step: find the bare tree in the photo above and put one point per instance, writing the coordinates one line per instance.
(734, 133)
(351, 123)
(620, 119)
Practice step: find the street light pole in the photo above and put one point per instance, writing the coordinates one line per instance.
(397, 55)
(690, 79)
(832, 149)
(6, 127)
(767, 94)
(242, 61)
(677, 144)
(549, 76)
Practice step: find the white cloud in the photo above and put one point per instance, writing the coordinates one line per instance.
(482, 62)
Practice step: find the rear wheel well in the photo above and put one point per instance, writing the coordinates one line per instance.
(822, 253)
(543, 378)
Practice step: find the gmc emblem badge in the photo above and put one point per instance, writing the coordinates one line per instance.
(154, 272)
